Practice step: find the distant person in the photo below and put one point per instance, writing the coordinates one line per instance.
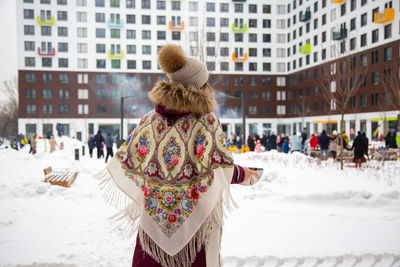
(271, 141)
(304, 137)
(33, 144)
(359, 149)
(91, 145)
(334, 144)
(98, 143)
(313, 142)
(251, 143)
(258, 146)
(109, 145)
(285, 146)
(390, 140)
(323, 141)
(297, 142)
(53, 144)
(13, 143)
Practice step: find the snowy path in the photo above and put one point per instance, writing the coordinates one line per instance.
(300, 214)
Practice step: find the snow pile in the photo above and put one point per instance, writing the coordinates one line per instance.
(302, 213)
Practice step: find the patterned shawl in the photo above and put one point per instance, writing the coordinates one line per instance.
(175, 178)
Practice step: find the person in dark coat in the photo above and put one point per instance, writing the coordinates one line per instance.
(303, 137)
(366, 142)
(359, 149)
(251, 143)
(323, 142)
(264, 141)
(390, 140)
(272, 141)
(91, 145)
(98, 143)
(109, 145)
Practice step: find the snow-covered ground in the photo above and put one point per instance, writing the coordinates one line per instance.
(302, 213)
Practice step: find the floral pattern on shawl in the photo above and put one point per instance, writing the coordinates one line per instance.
(180, 160)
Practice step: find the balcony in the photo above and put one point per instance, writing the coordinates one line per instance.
(115, 24)
(388, 15)
(338, 1)
(337, 36)
(176, 28)
(239, 58)
(45, 22)
(239, 29)
(305, 16)
(305, 49)
(110, 55)
(52, 54)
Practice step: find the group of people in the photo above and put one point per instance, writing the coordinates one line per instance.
(98, 142)
(326, 144)
(21, 140)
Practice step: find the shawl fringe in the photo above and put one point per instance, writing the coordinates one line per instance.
(125, 221)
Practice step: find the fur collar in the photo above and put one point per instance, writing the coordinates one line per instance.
(174, 96)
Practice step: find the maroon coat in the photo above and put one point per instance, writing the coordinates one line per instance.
(140, 257)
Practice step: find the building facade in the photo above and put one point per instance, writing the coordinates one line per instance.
(78, 58)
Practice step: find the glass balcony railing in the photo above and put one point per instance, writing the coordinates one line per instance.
(305, 16)
(337, 36)
(118, 24)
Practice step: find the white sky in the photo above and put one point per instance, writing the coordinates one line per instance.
(8, 41)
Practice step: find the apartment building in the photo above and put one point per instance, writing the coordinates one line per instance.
(78, 58)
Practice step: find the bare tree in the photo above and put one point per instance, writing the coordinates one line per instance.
(391, 85)
(340, 81)
(9, 109)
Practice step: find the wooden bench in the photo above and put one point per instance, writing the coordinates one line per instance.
(63, 177)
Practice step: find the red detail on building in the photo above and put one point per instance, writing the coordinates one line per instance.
(53, 53)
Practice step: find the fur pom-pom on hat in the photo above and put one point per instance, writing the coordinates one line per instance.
(188, 71)
(171, 58)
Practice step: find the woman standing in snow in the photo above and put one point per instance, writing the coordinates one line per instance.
(53, 144)
(176, 169)
(33, 143)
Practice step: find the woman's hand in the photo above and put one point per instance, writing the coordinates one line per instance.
(249, 176)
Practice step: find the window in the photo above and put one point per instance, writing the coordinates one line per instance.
(114, 3)
(146, 64)
(253, 110)
(161, 20)
(281, 81)
(223, 7)
(375, 78)
(210, 7)
(130, 19)
(115, 33)
(29, 46)
(30, 109)
(388, 53)
(131, 64)
(47, 93)
(28, 1)
(363, 101)
(30, 93)
(146, 19)
(266, 23)
(238, 66)
(160, 5)
(266, 52)
(82, 32)
(280, 109)
(210, 36)
(28, 14)
(146, 49)
(82, 63)
(388, 31)
(267, 9)
(81, 16)
(343, 9)
(100, 48)
(161, 35)
(252, 23)
(63, 62)
(266, 66)
(363, 19)
(224, 66)
(83, 94)
(83, 109)
(353, 43)
(252, 66)
(352, 24)
(81, 2)
(375, 36)
(238, 8)
(101, 109)
(224, 37)
(146, 35)
(99, 3)
(130, 34)
(131, 49)
(82, 47)
(83, 78)
(146, 4)
(210, 22)
(252, 8)
(363, 60)
(63, 109)
(115, 64)
(238, 37)
(100, 33)
(363, 41)
(193, 36)
(210, 65)
(100, 63)
(266, 38)
(45, 2)
(353, 5)
(130, 4)
(176, 35)
(62, 31)
(176, 5)
(193, 6)
(252, 52)
(45, 30)
(29, 62)
(193, 21)
(46, 62)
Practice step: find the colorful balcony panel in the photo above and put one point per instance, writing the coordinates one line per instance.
(305, 16)
(115, 55)
(53, 52)
(239, 29)
(115, 25)
(45, 22)
(388, 15)
(338, 1)
(340, 34)
(305, 49)
(176, 28)
(239, 58)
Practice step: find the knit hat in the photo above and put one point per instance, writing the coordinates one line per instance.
(188, 71)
